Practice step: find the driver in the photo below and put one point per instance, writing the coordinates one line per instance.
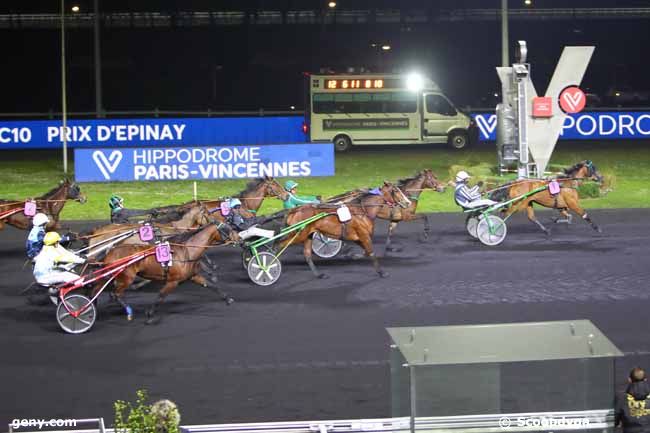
(47, 269)
(121, 215)
(469, 198)
(294, 200)
(246, 226)
(34, 243)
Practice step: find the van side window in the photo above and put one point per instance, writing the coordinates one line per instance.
(439, 105)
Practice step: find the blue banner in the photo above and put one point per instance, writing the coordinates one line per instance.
(44, 134)
(203, 163)
(595, 125)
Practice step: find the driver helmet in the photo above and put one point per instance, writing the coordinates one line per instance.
(233, 203)
(290, 184)
(115, 201)
(51, 238)
(462, 176)
(40, 219)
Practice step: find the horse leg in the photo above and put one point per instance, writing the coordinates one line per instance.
(140, 284)
(208, 269)
(388, 247)
(567, 217)
(306, 251)
(212, 285)
(575, 207)
(205, 259)
(121, 283)
(531, 216)
(366, 243)
(151, 312)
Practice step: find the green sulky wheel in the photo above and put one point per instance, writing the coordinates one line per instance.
(265, 270)
(491, 230)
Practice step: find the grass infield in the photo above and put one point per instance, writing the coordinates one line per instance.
(626, 166)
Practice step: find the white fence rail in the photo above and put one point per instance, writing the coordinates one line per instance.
(584, 421)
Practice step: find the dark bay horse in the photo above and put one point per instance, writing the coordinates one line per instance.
(187, 251)
(359, 229)
(51, 203)
(195, 216)
(567, 199)
(251, 197)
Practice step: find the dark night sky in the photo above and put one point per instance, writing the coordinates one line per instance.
(248, 67)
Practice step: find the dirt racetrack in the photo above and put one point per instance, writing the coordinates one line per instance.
(317, 349)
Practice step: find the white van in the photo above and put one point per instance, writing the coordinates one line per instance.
(375, 109)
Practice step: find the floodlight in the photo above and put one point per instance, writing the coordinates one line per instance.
(414, 82)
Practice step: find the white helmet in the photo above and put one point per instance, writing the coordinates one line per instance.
(462, 176)
(40, 219)
(234, 202)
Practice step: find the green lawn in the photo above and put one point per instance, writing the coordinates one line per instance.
(627, 165)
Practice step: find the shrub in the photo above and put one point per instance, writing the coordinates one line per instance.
(161, 417)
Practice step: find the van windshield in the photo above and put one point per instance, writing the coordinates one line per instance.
(437, 104)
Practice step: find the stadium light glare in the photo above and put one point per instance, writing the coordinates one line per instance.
(331, 4)
(414, 82)
(75, 8)
(385, 47)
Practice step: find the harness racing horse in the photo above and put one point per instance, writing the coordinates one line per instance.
(412, 187)
(251, 197)
(187, 251)
(196, 215)
(51, 203)
(358, 229)
(566, 199)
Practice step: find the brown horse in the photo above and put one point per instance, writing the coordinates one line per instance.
(359, 229)
(187, 251)
(51, 203)
(412, 187)
(196, 215)
(567, 198)
(251, 197)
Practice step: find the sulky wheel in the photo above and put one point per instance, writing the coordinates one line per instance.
(470, 223)
(66, 316)
(325, 247)
(265, 270)
(247, 254)
(491, 230)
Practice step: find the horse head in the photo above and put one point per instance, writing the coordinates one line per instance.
(199, 215)
(225, 233)
(584, 170)
(272, 188)
(74, 192)
(393, 195)
(431, 181)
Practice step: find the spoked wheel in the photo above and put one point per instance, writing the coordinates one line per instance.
(471, 223)
(325, 247)
(491, 230)
(66, 316)
(265, 270)
(246, 255)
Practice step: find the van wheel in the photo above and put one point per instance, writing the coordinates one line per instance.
(458, 140)
(342, 143)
